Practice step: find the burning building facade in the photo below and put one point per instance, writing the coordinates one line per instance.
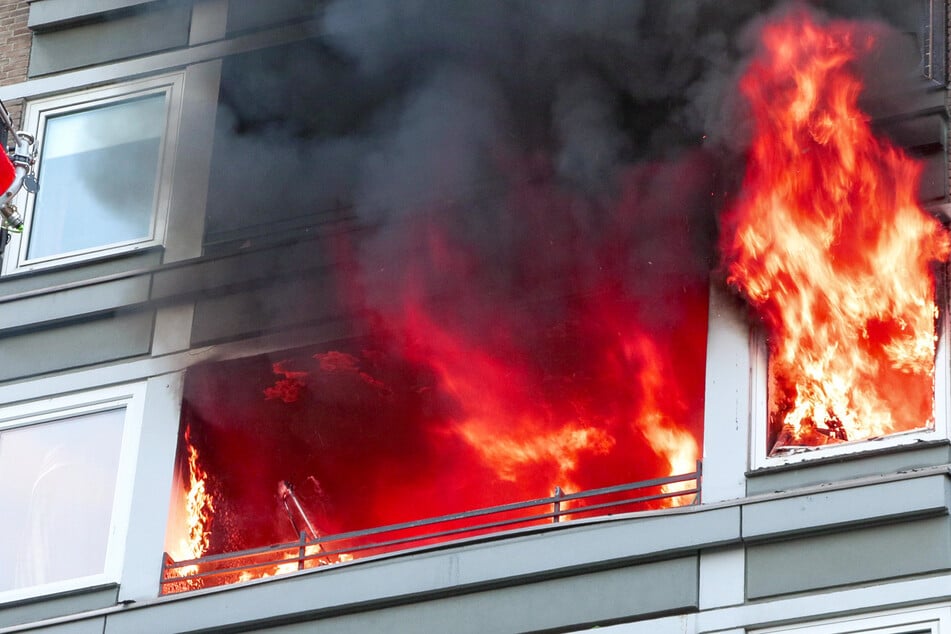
(369, 316)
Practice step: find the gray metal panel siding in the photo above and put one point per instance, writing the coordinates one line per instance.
(49, 278)
(119, 38)
(116, 336)
(36, 610)
(95, 298)
(848, 468)
(848, 557)
(47, 13)
(282, 262)
(881, 502)
(87, 626)
(280, 305)
(589, 599)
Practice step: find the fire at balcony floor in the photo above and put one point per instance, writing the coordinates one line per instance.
(313, 550)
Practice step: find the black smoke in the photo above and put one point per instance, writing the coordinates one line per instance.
(394, 108)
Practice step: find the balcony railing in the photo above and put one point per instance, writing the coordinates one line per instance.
(215, 570)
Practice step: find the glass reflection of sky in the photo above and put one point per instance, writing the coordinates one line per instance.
(98, 174)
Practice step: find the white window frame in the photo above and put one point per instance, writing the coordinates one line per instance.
(35, 115)
(759, 403)
(131, 398)
(929, 620)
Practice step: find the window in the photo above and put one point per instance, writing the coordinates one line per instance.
(65, 468)
(915, 621)
(103, 169)
(765, 445)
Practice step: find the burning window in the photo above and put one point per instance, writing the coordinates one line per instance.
(831, 249)
(63, 496)
(103, 159)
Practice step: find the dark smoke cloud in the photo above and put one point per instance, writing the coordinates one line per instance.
(398, 106)
(524, 130)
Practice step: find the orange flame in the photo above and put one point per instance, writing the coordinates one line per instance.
(831, 248)
(521, 440)
(199, 512)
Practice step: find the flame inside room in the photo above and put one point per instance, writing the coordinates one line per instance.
(528, 274)
(432, 414)
(831, 247)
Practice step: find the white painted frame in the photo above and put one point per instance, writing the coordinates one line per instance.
(37, 112)
(931, 620)
(129, 397)
(759, 404)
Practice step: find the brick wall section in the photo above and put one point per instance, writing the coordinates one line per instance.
(15, 39)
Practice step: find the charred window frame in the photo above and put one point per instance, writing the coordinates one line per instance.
(115, 150)
(759, 399)
(116, 413)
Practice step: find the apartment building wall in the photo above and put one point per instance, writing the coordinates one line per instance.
(848, 543)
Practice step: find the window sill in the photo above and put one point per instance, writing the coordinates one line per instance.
(33, 604)
(865, 462)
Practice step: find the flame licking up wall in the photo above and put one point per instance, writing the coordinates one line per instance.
(830, 247)
(198, 507)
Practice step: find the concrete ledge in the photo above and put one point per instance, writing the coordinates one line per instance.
(875, 503)
(46, 607)
(863, 464)
(75, 303)
(581, 601)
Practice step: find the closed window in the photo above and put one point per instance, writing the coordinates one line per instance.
(103, 169)
(65, 468)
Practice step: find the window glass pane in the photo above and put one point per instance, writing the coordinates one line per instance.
(98, 173)
(59, 481)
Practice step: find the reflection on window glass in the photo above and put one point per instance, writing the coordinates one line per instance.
(59, 481)
(98, 174)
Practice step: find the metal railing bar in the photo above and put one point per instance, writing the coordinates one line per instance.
(359, 547)
(490, 525)
(515, 506)
(297, 549)
(650, 498)
(395, 542)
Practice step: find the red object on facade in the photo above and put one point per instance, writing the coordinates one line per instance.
(7, 172)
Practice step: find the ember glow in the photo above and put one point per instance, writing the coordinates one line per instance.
(830, 247)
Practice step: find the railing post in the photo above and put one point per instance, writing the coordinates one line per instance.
(696, 499)
(556, 506)
(166, 559)
(302, 550)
